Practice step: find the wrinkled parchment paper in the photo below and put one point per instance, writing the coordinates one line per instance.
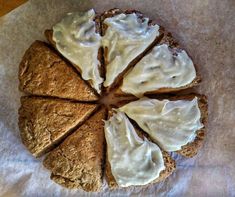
(206, 28)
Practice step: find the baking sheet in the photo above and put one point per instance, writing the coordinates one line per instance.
(205, 28)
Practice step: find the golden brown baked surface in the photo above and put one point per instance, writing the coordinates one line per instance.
(77, 162)
(44, 122)
(43, 72)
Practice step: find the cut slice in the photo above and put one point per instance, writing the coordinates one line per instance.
(166, 68)
(132, 160)
(42, 72)
(45, 122)
(177, 124)
(78, 161)
(77, 38)
(126, 37)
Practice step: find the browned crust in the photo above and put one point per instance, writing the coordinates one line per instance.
(111, 13)
(77, 162)
(45, 122)
(43, 72)
(170, 166)
(174, 46)
(49, 36)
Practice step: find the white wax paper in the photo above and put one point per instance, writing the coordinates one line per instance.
(205, 28)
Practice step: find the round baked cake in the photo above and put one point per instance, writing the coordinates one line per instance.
(102, 101)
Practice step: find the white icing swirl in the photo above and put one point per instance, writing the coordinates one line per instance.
(171, 124)
(134, 161)
(126, 37)
(159, 69)
(76, 39)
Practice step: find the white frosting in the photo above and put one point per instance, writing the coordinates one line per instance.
(159, 69)
(134, 161)
(171, 124)
(126, 37)
(77, 40)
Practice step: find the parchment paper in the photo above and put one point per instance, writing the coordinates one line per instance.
(206, 29)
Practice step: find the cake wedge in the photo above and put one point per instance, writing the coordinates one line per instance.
(166, 68)
(77, 163)
(77, 37)
(45, 122)
(43, 72)
(132, 160)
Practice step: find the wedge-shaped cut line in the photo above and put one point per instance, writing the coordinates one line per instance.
(77, 38)
(45, 122)
(165, 68)
(126, 37)
(171, 124)
(77, 161)
(42, 72)
(132, 160)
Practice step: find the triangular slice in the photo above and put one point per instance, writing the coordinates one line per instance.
(43, 72)
(177, 124)
(78, 161)
(45, 122)
(127, 35)
(77, 38)
(132, 160)
(166, 68)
